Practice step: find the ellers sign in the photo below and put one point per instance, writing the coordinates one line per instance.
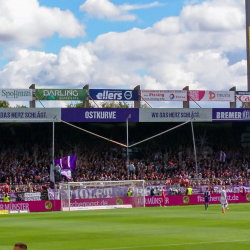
(113, 95)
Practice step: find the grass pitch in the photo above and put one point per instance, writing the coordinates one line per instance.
(182, 227)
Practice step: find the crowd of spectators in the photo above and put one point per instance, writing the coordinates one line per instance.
(29, 170)
(25, 163)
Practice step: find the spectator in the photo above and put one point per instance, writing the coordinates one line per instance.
(20, 246)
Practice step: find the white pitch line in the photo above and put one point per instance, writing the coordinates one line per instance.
(181, 244)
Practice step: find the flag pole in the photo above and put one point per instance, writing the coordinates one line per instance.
(53, 161)
(195, 155)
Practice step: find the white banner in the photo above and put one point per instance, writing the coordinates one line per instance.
(243, 98)
(174, 115)
(16, 95)
(29, 114)
(32, 196)
(164, 95)
(206, 95)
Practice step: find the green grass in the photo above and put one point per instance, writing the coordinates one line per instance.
(182, 227)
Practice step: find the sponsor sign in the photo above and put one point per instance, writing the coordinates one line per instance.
(100, 115)
(164, 95)
(243, 98)
(30, 206)
(114, 95)
(61, 94)
(242, 92)
(16, 95)
(202, 95)
(231, 114)
(174, 115)
(150, 201)
(29, 114)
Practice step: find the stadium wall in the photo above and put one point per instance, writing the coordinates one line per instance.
(102, 115)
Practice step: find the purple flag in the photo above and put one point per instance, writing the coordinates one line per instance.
(67, 164)
(66, 173)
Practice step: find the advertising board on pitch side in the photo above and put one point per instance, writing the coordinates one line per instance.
(175, 115)
(164, 95)
(114, 94)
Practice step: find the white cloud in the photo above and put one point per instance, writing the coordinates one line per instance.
(217, 15)
(72, 66)
(106, 9)
(171, 56)
(27, 23)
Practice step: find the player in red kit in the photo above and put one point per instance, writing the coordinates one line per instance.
(163, 196)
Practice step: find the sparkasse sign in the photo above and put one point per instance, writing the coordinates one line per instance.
(61, 94)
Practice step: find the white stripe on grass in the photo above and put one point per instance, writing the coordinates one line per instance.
(177, 244)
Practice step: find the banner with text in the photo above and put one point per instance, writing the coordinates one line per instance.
(164, 95)
(243, 98)
(114, 95)
(205, 95)
(100, 115)
(29, 114)
(174, 115)
(231, 114)
(150, 201)
(16, 95)
(61, 94)
(242, 92)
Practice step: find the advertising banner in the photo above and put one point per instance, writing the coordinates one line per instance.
(243, 98)
(206, 95)
(150, 201)
(32, 196)
(100, 114)
(174, 115)
(196, 199)
(231, 114)
(242, 92)
(164, 95)
(61, 94)
(114, 95)
(16, 95)
(31, 206)
(217, 189)
(105, 192)
(29, 114)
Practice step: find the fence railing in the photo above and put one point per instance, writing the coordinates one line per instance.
(177, 186)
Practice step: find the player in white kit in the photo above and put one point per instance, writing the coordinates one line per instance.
(224, 202)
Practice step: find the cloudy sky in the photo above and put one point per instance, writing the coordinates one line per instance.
(165, 44)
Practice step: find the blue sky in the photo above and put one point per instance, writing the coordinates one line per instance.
(165, 44)
(95, 27)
